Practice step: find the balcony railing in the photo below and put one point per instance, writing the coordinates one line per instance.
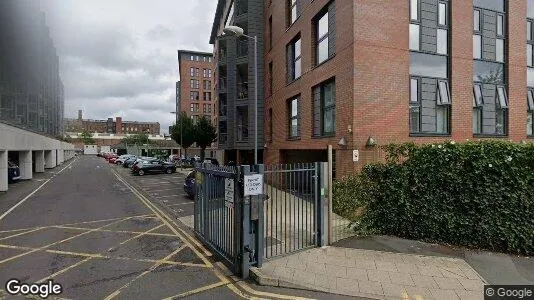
(222, 84)
(222, 111)
(242, 91)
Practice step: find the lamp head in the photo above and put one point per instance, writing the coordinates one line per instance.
(233, 30)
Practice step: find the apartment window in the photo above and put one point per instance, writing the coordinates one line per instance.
(529, 30)
(499, 50)
(293, 118)
(477, 46)
(209, 73)
(293, 12)
(204, 73)
(270, 32)
(192, 72)
(325, 108)
(197, 107)
(476, 20)
(270, 78)
(530, 44)
(192, 83)
(414, 10)
(207, 84)
(434, 110)
(324, 40)
(501, 111)
(442, 43)
(209, 108)
(294, 59)
(192, 58)
(414, 37)
(443, 93)
(478, 103)
(270, 124)
(197, 83)
(197, 73)
(442, 14)
(415, 106)
(207, 96)
(194, 96)
(530, 113)
(192, 107)
(204, 108)
(500, 25)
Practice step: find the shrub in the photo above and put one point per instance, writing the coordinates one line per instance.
(476, 194)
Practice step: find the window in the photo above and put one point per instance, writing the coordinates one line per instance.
(293, 118)
(415, 120)
(477, 93)
(192, 83)
(414, 37)
(529, 55)
(209, 73)
(477, 46)
(207, 85)
(443, 95)
(428, 65)
(476, 20)
(194, 96)
(197, 73)
(209, 108)
(442, 41)
(270, 32)
(207, 96)
(488, 72)
(501, 96)
(270, 124)
(442, 11)
(192, 57)
(324, 100)
(270, 78)
(197, 83)
(499, 50)
(293, 11)
(322, 39)
(204, 108)
(197, 106)
(414, 10)
(192, 107)
(529, 30)
(500, 25)
(496, 5)
(294, 59)
(204, 73)
(192, 72)
(530, 113)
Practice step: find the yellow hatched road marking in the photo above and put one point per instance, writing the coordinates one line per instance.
(198, 290)
(22, 233)
(58, 242)
(157, 264)
(141, 234)
(65, 270)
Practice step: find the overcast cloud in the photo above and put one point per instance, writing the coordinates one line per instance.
(119, 57)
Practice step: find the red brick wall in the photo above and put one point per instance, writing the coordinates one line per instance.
(118, 125)
(371, 67)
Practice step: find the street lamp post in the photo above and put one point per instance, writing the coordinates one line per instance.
(238, 32)
(181, 136)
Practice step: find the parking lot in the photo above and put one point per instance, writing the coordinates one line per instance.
(165, 189)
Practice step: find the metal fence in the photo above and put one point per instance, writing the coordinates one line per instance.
(291, 210)
(217, 221)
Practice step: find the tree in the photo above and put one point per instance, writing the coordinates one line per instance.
(183, 132)
(137, 139)
(206, 134)
(87, 138)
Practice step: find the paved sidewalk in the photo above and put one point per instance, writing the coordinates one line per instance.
(374, 274)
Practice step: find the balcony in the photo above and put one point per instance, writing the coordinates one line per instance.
(223, 138)
(242, 133)
(222, 85)
(242, 91)
(222, 56)
(222, 111)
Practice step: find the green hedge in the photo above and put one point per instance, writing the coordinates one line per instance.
(475, 194)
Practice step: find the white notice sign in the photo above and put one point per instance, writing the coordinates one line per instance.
(253, 184)
(229, 192)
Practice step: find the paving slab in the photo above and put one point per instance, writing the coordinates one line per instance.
(374, 274)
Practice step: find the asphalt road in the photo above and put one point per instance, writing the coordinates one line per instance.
(102, 233)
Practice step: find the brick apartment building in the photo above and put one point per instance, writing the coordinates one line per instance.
(196, 91)
(352, 73)
(117, 126)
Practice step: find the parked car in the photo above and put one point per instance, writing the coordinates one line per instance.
(153, 166)
(189, 184)
(13, 172)
(129, 161)
(121, 159)
(141, 159)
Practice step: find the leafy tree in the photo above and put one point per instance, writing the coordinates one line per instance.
(206, 134)
(183, 132)
(138, 139)
(87, 138)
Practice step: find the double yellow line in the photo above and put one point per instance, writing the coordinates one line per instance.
(240, 288)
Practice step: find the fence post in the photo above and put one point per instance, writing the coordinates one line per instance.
(245, 229)
(323, 217)
(260, 230)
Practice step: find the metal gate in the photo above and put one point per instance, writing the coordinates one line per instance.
(287, 216)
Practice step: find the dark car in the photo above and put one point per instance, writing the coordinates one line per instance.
(189, 184)
(13, 172)
(129, 161)
(153, 166)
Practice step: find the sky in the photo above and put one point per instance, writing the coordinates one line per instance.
(118, 58)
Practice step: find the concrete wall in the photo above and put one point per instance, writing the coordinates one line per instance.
(48, 152)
